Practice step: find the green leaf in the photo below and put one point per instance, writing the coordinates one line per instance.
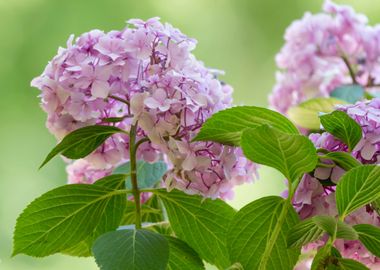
(149, 212)
(114, 181)
(306, 114)
(257, 235)
(348, 264)
(226, 126)
(376, 206)
(162, 227)
(335, 252)
(343, 127)
(335, 227)
(63, 217)
(235, 266)
(82, 142)
(345, 231)
(83, 248)
(201, 223)
(182, 256)
(356, 188)
(320, 260)
(370, 237)
(329, 258)
(350, 93)
(303, 233)
(326, 223)
(148, 174)
(131, 249)
(291, 154)
(343, 160)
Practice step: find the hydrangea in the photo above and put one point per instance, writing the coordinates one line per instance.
(324, 51)
(314, 198)
(147, 75)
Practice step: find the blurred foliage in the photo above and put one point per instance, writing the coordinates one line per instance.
(238, 36)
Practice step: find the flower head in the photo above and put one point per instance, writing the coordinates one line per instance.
(315, 194)
(324, 51)
(147, 75)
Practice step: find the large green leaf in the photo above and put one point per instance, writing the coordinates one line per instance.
(291, 154)
(349, 93)
(327, 259)
(376, 205)
(83, 248)
(201, 223)
(182, 256)
(226, 126)
(113, 181)
(349, 264)
(148, 174)
(162, 227)
(306, 114)
(320, 260)
(357, 187)
(335, 227)
(369, 235)
(326, 223)
(303, 233)
(82, 142)
(257, 235)
(63, 217)
(343, 127)
(150, 212)
(345, 231)
(131, 249)
(343, 160)
(235, 266)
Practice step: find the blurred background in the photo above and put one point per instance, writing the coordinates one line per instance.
(240, 37)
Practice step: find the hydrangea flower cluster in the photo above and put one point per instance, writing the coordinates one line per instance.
(144, 74)
(315, 196)
(324, 51)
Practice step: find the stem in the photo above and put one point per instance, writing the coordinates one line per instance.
(324, 165)
(135, 188)
(141, 142)
(119, 99)
(352, 73)
(323, 150)
(331, 240)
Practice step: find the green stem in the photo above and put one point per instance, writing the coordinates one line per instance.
(133, 162)
(352, 73)
(324, 165)
(323, 150)
(119, 99)
(141, 142)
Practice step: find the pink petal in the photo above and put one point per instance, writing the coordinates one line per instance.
(100, 89)
(368, 151)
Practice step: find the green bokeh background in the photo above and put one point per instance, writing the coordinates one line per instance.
(238, 36)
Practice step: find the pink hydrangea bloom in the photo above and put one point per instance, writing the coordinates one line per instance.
(82, 172)
(313, 198)
(166, 91)
(312, 61)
